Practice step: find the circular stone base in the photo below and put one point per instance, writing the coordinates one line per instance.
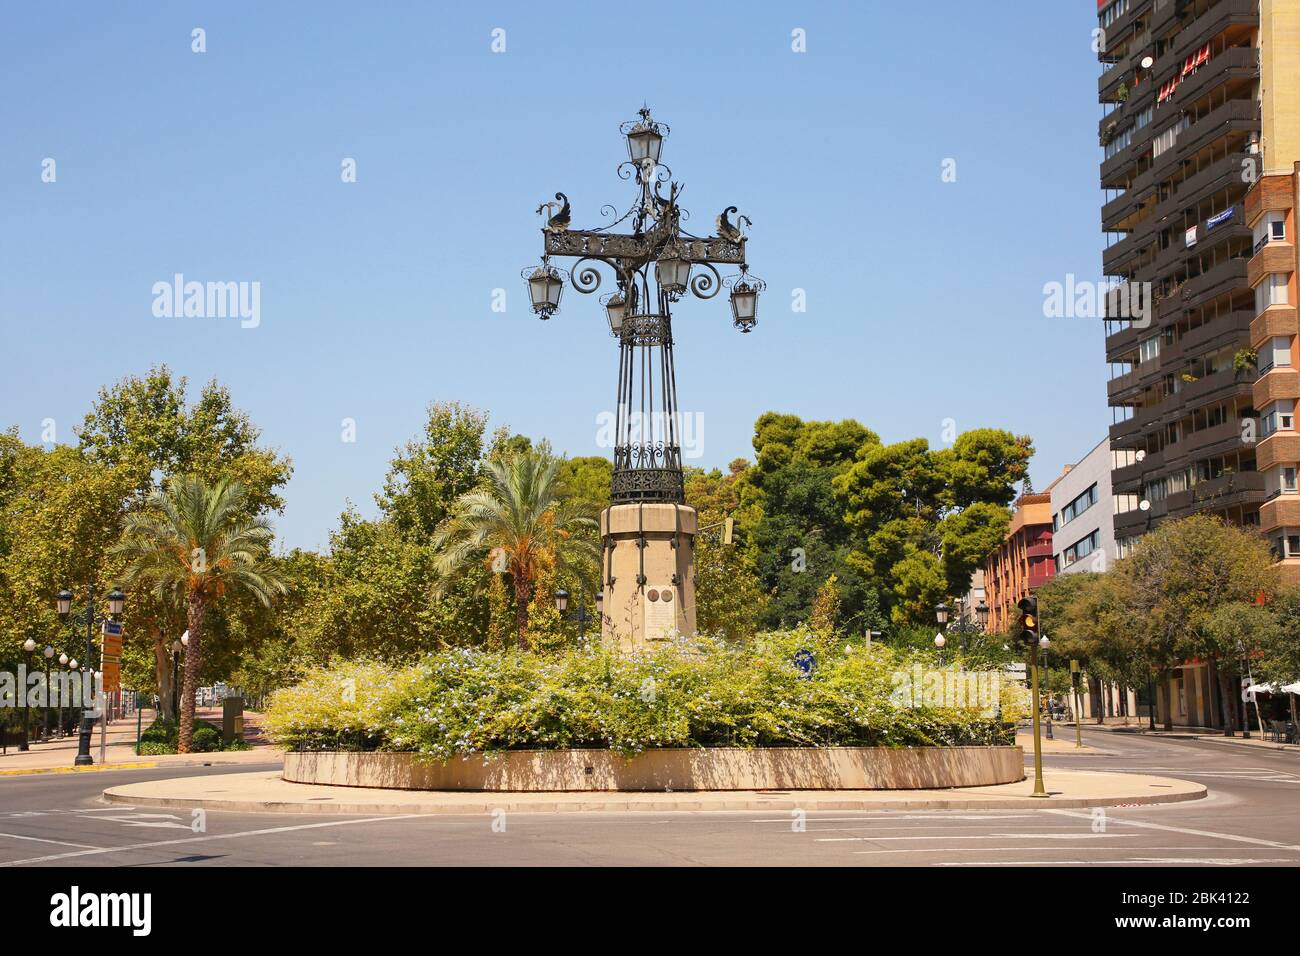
(722, 768)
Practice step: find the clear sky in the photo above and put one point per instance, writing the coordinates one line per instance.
(924, 297)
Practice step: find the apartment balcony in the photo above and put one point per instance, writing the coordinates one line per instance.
(1217, 333)
(1272, 194)
(1127, 475)
(1273, 257)
(1240, 114)
(1226, 491)
(1279, 511)
(1217, 19)
(1235, 63)
(1123, 341)
(1208, 442)
(1137, 521)
(1275, 320)
(1280, 381)
(1213, 283)
(1279, 448)
(1126, 429)
(1215, 387)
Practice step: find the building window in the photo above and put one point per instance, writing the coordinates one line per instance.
(1279, 417)
(1272, 228)
(1076, 507)
(1079, 550)
(1166, 140)
(1149, 349)
(1272, 291)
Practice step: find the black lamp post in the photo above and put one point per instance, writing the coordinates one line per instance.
(48, 653)
(29, 646)
(580, 614)
(177, 647)
(116, 603)
(63, 667)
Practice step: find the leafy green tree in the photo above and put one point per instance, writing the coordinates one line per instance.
(1279, 660)
(1179, 575)
(431, 472)
(729, 601)
(521, 517)
(192, 545)
(148, 427)
(795, 533)
(925, 519)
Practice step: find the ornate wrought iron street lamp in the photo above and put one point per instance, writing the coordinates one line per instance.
(648, 533)
(654, 262)
(647, 461)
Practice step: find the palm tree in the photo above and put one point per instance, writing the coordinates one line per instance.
(520, 517)
(191, 545)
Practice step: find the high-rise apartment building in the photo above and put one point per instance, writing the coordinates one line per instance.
(1270, 211)
(1183, 104)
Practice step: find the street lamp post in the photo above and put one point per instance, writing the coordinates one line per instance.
(116, 603)
(647, 534)
(63, 666)
(29, 646)
(580, 614)
(177, 647)
(48, 653)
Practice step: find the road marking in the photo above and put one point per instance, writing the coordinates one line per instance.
(94, 851)
(17, 836)
(894, 815)
(1044, 849)
(983, 836)
(1121, 821)
(1240, 861)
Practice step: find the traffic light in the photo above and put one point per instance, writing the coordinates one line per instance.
(1029, 617)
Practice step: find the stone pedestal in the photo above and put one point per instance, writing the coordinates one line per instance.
(649, 555)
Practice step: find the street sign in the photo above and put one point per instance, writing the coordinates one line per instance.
(112, 676)
(804, 660)
(111, 627)
(112, 646)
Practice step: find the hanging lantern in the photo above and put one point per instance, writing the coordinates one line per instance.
(615, 310)
(545, 283)
(744, 300)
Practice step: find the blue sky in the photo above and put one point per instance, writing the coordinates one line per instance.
(924, 297)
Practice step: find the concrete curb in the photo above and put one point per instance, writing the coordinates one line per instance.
(266, 793)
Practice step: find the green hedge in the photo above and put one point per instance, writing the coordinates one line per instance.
(697, 693)
(162, 735)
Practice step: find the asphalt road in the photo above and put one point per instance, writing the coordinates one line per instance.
(1251, 817)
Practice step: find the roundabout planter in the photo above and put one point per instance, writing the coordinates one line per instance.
(724, 768)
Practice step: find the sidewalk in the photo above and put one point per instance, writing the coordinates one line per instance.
(265, 792)
(1208, 734)
(57, 755)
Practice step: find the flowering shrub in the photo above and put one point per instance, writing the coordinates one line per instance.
(693, 693)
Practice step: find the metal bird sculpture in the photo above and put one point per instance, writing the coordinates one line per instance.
(559, 220)
(729, 230)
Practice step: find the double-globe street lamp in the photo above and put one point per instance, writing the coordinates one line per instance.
(963, 626)
(580, 614)
(116, 604)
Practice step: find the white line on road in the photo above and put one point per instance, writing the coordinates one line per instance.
(1151, 861)
(1044, 849)
(16, 836)
(203, 839)
(982, 836)
(1121, 821)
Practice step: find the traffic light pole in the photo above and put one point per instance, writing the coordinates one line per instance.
(1039, 789)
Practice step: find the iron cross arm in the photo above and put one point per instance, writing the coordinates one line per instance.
(585, 243)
